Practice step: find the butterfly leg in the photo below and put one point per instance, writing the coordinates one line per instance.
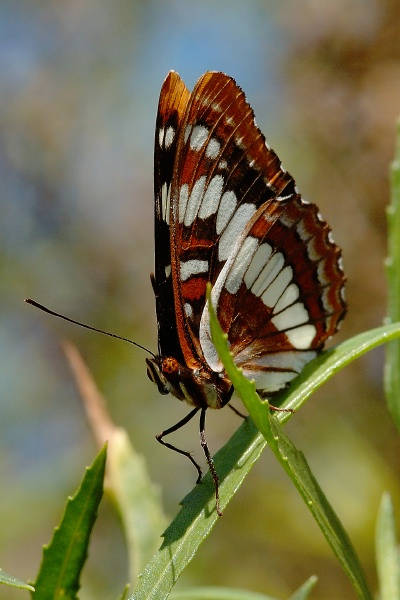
(237, 412)
(209, 459)
(175, 427)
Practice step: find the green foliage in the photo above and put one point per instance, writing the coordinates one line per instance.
(233, 462)
(219, 593)
(138, 504)
(137, 500)
(293, 461)
(392, 367)
(223, 593)
(387, 552)
(305, 590)
(64, 557)
(198, 514)
(14, 582)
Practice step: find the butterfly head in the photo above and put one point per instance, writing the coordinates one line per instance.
(198, 387)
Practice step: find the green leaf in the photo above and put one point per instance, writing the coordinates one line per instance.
(218, 593)
(387, 552)
(224, 593)
(136, 498)
(14, 582)
(233, 462)
(305, 590)
(64, 557)
(198, 515)
(125, 591)
(294, 463)
(392, 366)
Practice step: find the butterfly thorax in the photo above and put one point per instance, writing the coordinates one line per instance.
(199, 387)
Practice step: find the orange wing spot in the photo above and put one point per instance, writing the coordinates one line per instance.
(194, 288)
(196, 243)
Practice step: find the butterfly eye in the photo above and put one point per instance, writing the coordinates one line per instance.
(155, 375)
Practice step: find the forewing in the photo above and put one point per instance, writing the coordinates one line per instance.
(173, 101)
(225, 172)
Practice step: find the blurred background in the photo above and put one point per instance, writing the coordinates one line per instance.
(78, 95)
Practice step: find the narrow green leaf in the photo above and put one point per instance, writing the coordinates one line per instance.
(387, 552)
(218, 593)
(14, 582)
(392, 367)
(224, 593)
(305, 590)
(137, 500)
(125, 591)
(233, 462)
(64, 557)
(294, 463)
(198, 515)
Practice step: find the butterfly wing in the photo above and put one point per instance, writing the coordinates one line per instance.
(173, 101)
(280, 294)
(223, 173)
(227, 212)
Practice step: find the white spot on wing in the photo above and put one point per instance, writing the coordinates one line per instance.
(312, 250)
(270, 381)
(169, 136)
(194, 201)
(216, 107)
(268, 274)
(161, 133)
(274, 291)
(289, 296)
(239, 141)
(207, 346)
(212, 196)
(234, 229)
(287, 360)
(303, 233)
(226, 208)
(241, 262)
(213, 148)
(322, 275)
(183, 200)
(188, 310)
(165, 202)
(257, 264)
(302, 337)
(167, 271)
(193, 267)
(291, 317)
(198, 137)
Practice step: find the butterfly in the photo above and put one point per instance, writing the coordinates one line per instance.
(227, 212)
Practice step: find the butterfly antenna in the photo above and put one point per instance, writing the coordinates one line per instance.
(114, 335)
